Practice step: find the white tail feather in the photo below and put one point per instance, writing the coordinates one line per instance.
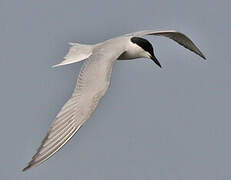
(76, 53)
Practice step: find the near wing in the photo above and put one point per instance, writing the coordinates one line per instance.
(93, 81)
(174, 35)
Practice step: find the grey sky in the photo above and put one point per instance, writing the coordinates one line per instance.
(171, 123)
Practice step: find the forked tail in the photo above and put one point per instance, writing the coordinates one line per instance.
(76, 53)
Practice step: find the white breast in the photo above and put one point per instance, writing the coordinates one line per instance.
(132, 51)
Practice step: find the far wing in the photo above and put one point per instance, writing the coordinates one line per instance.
(93, 81)
(174, 35)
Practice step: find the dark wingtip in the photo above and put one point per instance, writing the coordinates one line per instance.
(27, 167)
(198, 52)
(204, 57)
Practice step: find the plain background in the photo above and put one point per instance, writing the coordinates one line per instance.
(171, 123)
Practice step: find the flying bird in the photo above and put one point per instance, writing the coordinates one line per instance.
(94, 80)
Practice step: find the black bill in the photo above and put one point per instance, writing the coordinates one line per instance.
(156, 61)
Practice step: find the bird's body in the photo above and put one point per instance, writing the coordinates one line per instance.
(94, 80)
(133, 51)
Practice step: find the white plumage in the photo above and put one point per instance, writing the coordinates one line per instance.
(93, 82)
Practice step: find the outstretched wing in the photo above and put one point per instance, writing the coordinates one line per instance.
(174, 35)
(93, 81)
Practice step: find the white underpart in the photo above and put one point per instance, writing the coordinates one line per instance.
(134, 51)
(93, 82)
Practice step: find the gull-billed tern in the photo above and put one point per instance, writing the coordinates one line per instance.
(94, 80)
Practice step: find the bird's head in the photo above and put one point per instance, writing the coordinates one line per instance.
(147, 49)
